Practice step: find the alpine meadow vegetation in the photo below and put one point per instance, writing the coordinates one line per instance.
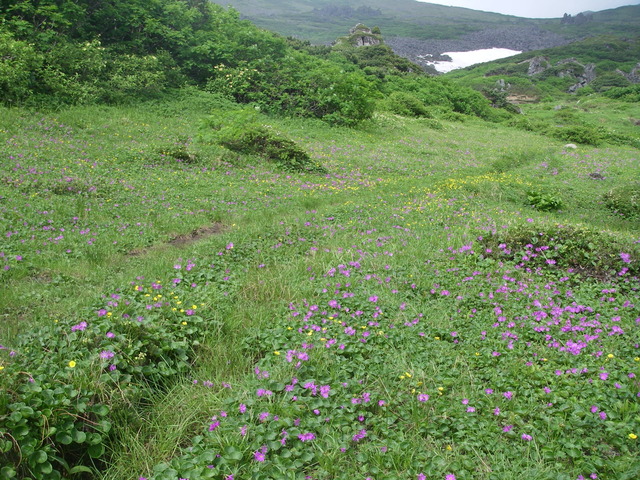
(282, 263)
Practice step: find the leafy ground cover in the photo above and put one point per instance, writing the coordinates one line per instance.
(173, 309)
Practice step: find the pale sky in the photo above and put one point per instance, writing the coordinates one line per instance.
(537, 8)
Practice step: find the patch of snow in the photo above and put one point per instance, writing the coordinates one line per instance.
(466, 59)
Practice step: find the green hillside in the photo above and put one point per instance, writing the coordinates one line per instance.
(555, 70)
(322, 21)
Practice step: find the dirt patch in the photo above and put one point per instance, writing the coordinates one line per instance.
(520, 99)
(197, 235)
(184, 239)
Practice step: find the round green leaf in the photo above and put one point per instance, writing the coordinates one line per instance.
(96, 451)
(78, 436)
(39, 456)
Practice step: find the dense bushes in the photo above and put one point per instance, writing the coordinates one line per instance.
(405, 104)
(626, 94)
(101, 58)
(440, 93)
(299, 85)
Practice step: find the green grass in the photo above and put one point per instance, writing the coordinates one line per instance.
(416, 266)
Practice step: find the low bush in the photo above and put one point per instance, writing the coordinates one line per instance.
(624, 200)
(584, 134)
(592, 253)
(545, 202)
(626, 94)
(405, 104)
(240, 131)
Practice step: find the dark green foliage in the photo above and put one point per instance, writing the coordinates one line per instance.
(624, 200)
(300, 85)
(241, 131)
(441, 93)
(545, 202)
(17, 60)
(179, 151)
(377, 60)
(79, 52)
(584, 134)
(406, 104)
(608, 80)
(626, 94)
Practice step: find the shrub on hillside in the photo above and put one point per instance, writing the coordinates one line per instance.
(406, 104)
(300, 85)
(240, 131)
(626, 94)
(609, 80)
(584, 134)
(589, 252)
(624, 200)
(17, 61)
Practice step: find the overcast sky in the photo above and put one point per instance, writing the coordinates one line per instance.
(538, 8)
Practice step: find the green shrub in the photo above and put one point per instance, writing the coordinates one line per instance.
(626, 94)
(545, 202)
(454, 117)
(584, 134)
(179, 151)
(624, 200)
(406, 104)
(592, 253)
(241, 132)
(608, 80)
(18, 60)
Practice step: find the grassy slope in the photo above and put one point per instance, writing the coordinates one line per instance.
(405, 202)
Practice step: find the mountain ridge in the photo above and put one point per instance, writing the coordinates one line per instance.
(415, 28)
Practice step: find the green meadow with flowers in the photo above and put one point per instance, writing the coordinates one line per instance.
(411, 298)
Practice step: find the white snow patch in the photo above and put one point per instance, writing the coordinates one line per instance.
(466, 59)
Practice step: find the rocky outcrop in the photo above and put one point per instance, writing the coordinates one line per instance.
(361, 36)
(579, 19)
(567, 68)
(537, 65)
(633, 76)
(584, 74)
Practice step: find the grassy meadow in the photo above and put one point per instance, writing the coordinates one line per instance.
(452, 299)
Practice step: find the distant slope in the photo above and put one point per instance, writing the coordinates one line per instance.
(321, 21)
(412, 28)
(595, 64)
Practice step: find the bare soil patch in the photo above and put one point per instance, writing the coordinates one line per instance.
(196, 235)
